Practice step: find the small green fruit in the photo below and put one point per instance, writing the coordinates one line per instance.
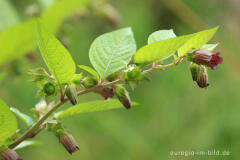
(49, 89)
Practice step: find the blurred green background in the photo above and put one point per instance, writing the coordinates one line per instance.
(174, 114)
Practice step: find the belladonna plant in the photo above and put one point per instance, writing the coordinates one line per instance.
(117, 67)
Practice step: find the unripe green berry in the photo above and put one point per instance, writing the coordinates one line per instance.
(49, 88)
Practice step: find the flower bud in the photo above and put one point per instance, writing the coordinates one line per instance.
(205, 57)
(106, 92)
(68, 142)
(9, 154)
(123, 96)
(49, 89)
(202, 80)
(71, 93)
(89, 82)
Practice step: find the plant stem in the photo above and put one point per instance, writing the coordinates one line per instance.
(160, 67)
(35, 127)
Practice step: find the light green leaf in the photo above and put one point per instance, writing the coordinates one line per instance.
(89, 70)
(112, 51)
(8, 122)
(165, 48)
(62, 9)
(8, 14)
(55, 55)
(26, 144)
(160, 50)
(91, 107)
(25, 118)
(161, 35)
(210, 47)
(19, 39)
(197, 41)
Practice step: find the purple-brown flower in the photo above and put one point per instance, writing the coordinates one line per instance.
(205, 57)
(9, 154)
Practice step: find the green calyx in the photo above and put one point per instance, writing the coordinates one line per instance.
(194, 70)
(133, 73)
(123, 96)
(190, 57)
(71, 93)
(58, 129)
(120, 91)
(49, 88)
(89, 82)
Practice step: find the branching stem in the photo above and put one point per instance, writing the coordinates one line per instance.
(39, 123)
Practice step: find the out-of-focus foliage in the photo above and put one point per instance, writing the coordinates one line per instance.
(24, 34)
(174, 114)
(8, 15)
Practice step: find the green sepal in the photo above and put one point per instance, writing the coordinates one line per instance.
(71, 93)
(89, 82)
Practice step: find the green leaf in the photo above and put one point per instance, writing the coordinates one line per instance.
(61, 10)
(26, 143)
(159, 50)
(161, 35)
(163, 49)
(25, 118)
(210, 47)
(8, 14)
(91, 107)
(55, 55)
(112, 51)
(89, 70)
(197, 41)
(19, 39)
(8, 122)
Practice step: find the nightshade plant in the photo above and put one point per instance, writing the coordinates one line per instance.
(117, 64)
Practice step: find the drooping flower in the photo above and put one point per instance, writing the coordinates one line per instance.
(199, 74)
(205, 57)
(68, 142)
(123, 96)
